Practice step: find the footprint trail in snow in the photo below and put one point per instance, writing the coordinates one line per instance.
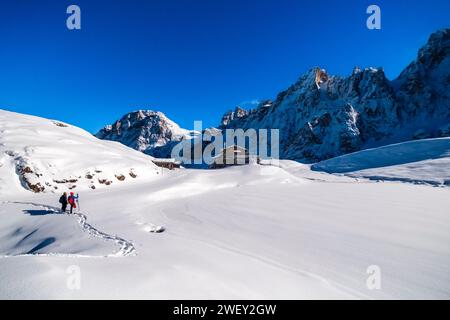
(126, 247)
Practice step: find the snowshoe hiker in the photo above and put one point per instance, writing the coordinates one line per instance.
(72, 201)
(63, 201)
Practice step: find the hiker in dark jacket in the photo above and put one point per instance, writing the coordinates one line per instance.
(63, 201)
(72, 201)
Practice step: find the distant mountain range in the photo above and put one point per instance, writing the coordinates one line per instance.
(323, 116)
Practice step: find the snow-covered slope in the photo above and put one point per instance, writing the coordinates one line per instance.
(43, 155)
(421, 161)
(148, 131)
(250, 232)
(323, 116)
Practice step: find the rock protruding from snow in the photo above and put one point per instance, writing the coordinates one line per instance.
(144, 130)
(323, 116)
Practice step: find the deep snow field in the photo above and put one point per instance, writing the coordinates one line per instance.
(242, 232)
(280, 231)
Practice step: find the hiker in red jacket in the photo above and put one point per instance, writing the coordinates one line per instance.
(72, 201)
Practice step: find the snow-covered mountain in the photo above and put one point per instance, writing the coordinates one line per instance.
(148, 131)
(323, 116)
(44, 155)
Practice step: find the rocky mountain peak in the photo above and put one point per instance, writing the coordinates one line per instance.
(143, 130)
(232, 115)
(436, 50)
(433, 55)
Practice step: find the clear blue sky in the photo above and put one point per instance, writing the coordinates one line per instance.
(192, 59)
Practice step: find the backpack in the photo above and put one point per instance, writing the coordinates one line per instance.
(61, 199)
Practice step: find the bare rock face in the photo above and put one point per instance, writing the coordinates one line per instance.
(323, 116)
(232, 115)
(444, 131)
(423, 87)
